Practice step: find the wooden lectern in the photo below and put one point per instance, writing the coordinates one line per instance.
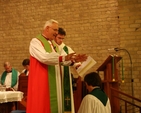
(23, 84)
(79, 93)
(111, 79)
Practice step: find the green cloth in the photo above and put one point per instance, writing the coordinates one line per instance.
(14, 77)
(99, 94)
(67, 95)
(52, 77)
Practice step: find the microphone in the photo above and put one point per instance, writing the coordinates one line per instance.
(115, 49)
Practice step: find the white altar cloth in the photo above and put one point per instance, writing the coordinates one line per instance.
(10, 96)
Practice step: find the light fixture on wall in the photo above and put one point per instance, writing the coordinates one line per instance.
(131, 64)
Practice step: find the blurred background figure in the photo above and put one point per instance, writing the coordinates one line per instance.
(9, 77)
(96, 101)
(25, 64)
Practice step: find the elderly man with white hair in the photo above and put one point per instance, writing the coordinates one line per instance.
(44, 82)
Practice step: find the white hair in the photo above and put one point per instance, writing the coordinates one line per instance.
(49, 23)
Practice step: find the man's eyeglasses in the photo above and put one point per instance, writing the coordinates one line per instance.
(56, 30)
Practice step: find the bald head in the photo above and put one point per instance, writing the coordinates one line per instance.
(7, 66)
(6, 63)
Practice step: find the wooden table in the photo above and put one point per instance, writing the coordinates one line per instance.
(7, 98)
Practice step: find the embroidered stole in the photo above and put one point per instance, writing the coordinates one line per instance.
(13, 80)
(52, 77)
(67, 93)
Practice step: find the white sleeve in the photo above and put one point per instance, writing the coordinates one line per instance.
(63, 53)
(37, 50)
(16, 86)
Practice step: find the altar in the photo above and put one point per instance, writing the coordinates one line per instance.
(7, 98)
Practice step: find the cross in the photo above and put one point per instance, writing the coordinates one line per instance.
(67, 99)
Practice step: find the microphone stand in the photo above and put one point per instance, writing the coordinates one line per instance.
(132, 80)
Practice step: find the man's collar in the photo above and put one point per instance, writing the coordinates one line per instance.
(45, 37)
(9, 71)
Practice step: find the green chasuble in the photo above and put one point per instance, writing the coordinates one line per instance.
(14, 77)
(67, 95)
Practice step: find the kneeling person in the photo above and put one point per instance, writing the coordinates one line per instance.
(96, 101)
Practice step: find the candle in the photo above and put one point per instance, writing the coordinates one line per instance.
(122, 71)
(113, 68)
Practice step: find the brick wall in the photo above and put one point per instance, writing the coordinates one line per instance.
(130, 39)
(94, 22)
(92, 27)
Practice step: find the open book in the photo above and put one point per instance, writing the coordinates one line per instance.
(85, 66)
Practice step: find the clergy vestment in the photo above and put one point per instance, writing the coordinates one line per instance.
(95, 102)
(44, 83)
(25, 71)
(10, 79)
(68, 100)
